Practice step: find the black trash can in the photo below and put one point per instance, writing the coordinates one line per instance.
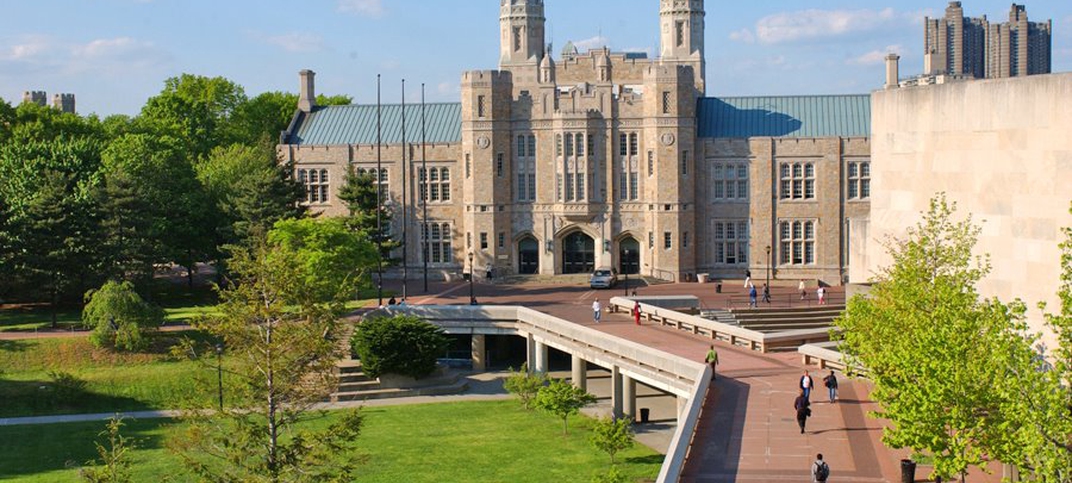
(908, 471)
(644, 414)
(718, 287)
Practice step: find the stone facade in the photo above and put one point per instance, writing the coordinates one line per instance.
(1007, 163)
(594, 159)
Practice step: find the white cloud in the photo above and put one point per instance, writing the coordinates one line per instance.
(743, 35)
(369, 8)
(875, 57)
(591, 43)
(296, 42)
(27, 49)
(817, 24)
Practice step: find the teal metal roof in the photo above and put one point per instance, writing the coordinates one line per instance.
(785, 116)
(356, 124)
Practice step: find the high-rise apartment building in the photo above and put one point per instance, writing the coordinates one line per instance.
(974, 47)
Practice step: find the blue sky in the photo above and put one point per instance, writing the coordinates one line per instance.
(114, 54)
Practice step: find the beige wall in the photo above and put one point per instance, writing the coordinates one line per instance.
(1001, 149)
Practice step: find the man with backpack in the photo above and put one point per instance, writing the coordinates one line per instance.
(831, 386)
(819, 470)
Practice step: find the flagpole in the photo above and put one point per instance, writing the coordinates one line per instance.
(379, 197)
(426, 195)
(405, 181)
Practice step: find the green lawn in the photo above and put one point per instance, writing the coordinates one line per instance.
(114, 381)
(471, 441)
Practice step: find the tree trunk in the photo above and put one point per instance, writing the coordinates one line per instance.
(190, 270)
(273, 429)
(55, 302)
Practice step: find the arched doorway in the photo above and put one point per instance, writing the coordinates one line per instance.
(578, 253)
(528, 256)
(629, 256)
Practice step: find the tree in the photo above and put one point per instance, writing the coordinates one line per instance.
(403, 344)
(525, 385)
(196, 110)
(114, 466)
(359, 193)
(563, 399)
(611, 435)
(930, 344)
(120, 318)
(279, 322)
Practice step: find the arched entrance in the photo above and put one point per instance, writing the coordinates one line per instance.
(578, 253)
(528, 256)
(629, 256)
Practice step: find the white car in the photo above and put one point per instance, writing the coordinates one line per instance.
(603, 277)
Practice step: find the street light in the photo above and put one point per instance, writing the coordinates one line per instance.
(768, 267)
(219, 372)
(625, 270)
(472, 297)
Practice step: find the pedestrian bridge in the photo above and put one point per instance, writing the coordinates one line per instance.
(627, 361)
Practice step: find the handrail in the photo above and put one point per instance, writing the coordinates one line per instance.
(680, 376)
(658, 273)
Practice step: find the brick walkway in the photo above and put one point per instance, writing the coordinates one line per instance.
(748, 431)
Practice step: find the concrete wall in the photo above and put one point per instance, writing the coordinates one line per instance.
(1001, 149)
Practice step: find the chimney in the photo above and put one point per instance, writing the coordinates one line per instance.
(893, 75)
(307, 96)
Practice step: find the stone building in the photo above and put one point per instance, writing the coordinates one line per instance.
(60, 102)
(973, 47)
(600, 158)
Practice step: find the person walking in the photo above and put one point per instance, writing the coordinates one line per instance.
(803, 409)
(820, 471)
(597, 310)
(712, 359)
(766, 294)
(803, 290)
(636, 312)
(821, 293)
(747, 278)
(831, 386)
(806, 384)
(752, 297)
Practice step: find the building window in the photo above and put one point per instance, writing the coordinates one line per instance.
(502, 239)
(483, 241)
(729, 181)
(651, 240)
(731, 242)
(525, 168)
(481, 106)
(468, 166)
(623, 144)
(634, 144)
(517, 39)
(381, 179)
(797, 242)
(469, 239)
(685, 240)
(797, 181)
(684, 163)
(558, 145)
(437, 240)
(679, 29)
(859, 180)
(666, 102)
(668, 240)
(499, 165)
(651, 163)
(571, 173)
(628, 177)
(316, 183)
(434, 184)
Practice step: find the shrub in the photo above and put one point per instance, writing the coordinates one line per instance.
(524, 385)
(613, 475)
(403, 344)
(120, 318)
(563, 400)
(611, 435)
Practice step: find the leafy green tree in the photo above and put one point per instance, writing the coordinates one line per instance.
(120, 318)
(929, 343)
(525, 385)
(611, 435)
(196, 110)
(359, 193)
(612, 475)
(7, 119)
(402, 344)
(34, 123)
(281, 327)
(114, 463)
(563, 399)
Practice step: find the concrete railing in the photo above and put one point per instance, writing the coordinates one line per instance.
(826, 355)
(732, 334)
(674, 374)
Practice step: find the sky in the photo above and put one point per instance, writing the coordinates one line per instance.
(115, 54)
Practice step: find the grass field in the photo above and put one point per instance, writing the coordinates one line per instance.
(466, 441)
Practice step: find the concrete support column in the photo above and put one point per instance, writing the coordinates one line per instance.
(530, 353)
(616, 391)
(580, 372)
(629, 397)
(541, 357)
(480, 362)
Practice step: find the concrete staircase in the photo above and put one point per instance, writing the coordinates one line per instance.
(778, 320)
(355, 385)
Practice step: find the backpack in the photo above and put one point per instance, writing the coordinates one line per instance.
(822, 472)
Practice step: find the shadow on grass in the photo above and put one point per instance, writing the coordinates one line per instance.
(29, 450)
(37, 398)
(654, 459)
(13, 346)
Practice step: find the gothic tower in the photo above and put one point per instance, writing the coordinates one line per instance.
(682, 36)
(521, 39)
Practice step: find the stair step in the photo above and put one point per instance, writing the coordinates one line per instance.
(396, 393)
(358, 386)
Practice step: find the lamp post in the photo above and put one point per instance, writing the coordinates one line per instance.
(625, 270)
(219, 372)
(472, 297)
(768, 267)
